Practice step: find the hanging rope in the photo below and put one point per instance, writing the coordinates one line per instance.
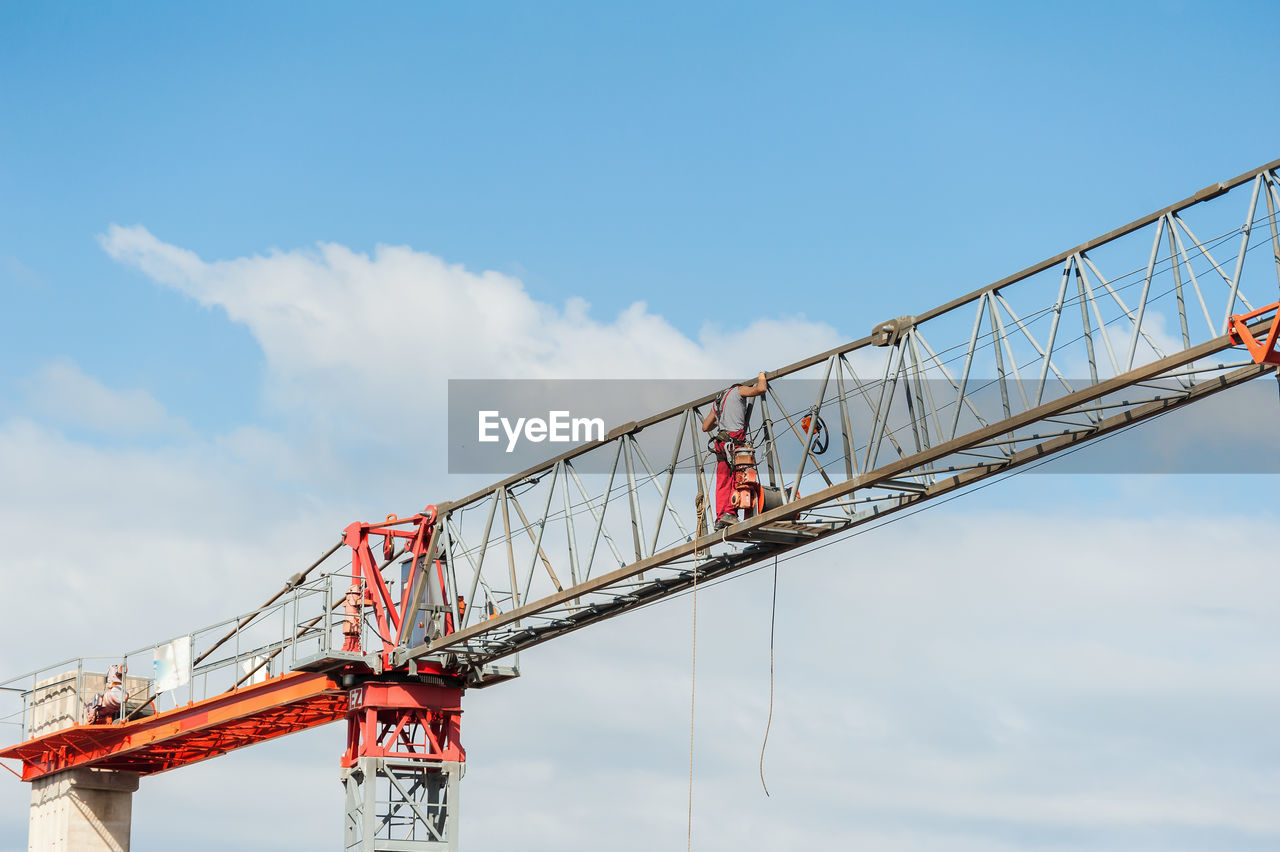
(693, 680)
(773, 614)
(700, 502)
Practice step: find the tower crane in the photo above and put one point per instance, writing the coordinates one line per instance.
(390, 627)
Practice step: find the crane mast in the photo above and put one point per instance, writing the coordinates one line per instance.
(394, 623)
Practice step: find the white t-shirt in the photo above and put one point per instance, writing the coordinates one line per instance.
(733, 412)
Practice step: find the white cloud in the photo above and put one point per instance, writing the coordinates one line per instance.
(62, 393)
(953, 681)
(139, 544)
(978, 680)
(394, 325)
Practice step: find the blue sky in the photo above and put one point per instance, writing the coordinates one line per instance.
(885, 158)
(802, 171)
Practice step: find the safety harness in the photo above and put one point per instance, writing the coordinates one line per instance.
(720, 442)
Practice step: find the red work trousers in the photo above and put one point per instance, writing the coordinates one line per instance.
(724, 476)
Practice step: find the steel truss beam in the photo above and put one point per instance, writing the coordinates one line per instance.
(1114, 331)
(402, 768)
(1106, 335)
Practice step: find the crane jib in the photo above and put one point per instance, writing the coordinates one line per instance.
(1163, 312)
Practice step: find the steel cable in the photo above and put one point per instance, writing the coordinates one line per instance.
(693, 685)
(773, 615)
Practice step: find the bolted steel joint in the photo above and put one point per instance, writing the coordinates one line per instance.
(889, 332)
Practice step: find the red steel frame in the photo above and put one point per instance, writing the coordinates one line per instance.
(385, 718)
(1263, 352)
(280, 705)
(389, 616)
(414, 721)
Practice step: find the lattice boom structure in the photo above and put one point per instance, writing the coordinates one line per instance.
(1113, 332)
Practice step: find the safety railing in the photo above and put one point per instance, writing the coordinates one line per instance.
(302, 629)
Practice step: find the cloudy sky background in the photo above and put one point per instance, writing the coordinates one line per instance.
(232, 243)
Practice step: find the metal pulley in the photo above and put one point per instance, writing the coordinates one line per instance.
(890, 332)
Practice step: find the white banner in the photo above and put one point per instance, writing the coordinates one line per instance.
(262, 671)
(172, 664)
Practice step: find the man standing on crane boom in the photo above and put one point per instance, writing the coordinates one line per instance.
(732, 413)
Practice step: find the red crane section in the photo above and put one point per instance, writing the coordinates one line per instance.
(1262, 351)
(399, 718)
(281, 705)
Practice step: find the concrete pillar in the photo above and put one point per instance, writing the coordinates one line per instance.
(81, 810)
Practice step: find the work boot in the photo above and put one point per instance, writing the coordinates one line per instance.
(728, 519)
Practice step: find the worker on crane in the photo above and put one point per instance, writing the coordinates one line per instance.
(352, 625)
(106, 705)
(732, 414)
